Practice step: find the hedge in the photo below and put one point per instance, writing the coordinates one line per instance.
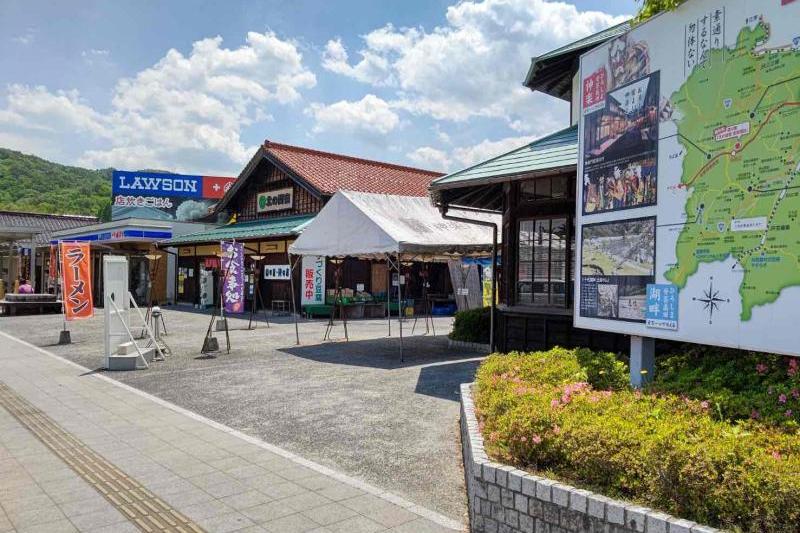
(569, 414)
(472, 325)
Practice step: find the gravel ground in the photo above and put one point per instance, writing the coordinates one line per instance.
(352, 406)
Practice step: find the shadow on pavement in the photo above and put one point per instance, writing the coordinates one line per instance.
(380, 353)
(443, 380)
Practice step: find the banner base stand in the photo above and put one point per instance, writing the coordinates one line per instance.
(64, 337)
(210, 345)
(222, 324)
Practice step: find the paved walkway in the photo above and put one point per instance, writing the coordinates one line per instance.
(82, 452)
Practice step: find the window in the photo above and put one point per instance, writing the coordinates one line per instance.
(545, 188)
(544, 253)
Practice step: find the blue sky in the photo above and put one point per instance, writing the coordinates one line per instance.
(196, 86)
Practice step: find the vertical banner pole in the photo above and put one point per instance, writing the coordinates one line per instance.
(388, 293)
(291, 286)
(400, 304)
(61, 287)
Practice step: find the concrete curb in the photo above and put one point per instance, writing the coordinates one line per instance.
(503, 498)
(474, 346)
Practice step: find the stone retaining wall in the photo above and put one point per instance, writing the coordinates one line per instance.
(503, 499)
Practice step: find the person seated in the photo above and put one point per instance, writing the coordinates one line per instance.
(24, 287)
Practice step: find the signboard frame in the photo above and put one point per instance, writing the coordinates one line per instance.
(705, 304)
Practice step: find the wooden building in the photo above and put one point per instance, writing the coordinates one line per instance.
(533, 187)
(277, 194)
(25, 246)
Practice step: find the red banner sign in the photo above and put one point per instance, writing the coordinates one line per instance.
(594, 88)
(77, 282)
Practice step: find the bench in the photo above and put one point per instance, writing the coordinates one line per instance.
(14, 304)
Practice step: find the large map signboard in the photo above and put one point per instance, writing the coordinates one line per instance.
(690, 177)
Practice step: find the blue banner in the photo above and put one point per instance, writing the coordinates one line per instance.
(156, 184)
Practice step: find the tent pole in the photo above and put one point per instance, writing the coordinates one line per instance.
(388, 292)
(400, 304)
(291, 286)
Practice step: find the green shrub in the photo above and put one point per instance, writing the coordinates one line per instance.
(567, 413)
(472, 325)
(738, 385)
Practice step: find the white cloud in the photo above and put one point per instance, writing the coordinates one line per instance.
(182, 113)
(372, 68)
(38, 109)
(466, 156)
(95, 56)
(25, 38)
(470, 155)
(370, 115)
(473, 66)
(430, 158)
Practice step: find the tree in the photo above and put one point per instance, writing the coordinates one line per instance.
(654, 7)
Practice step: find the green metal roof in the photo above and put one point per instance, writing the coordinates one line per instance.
(243, 231)
(555, 151)
(552, 72)
(588, 42)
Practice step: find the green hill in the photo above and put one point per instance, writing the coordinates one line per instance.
(29, 183)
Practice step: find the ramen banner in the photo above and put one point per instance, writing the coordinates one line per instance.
(233, 276)
(77, 281)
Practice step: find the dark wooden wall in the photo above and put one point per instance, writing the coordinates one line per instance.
(269, 178)
(527, 327)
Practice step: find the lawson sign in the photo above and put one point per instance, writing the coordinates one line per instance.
(165, 196)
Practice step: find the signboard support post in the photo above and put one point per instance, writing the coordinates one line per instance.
(643, 360)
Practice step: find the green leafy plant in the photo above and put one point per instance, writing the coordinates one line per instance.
(569, 414)
(653, 7)
(738, 385)
(472, 325)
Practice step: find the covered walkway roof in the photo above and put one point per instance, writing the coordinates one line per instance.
(552, 72)
(243, 231)
(369, 225)
(480, 186)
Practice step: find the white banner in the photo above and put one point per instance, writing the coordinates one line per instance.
(313, 280)
(277, 272)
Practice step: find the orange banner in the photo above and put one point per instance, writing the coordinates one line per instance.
(77, 291)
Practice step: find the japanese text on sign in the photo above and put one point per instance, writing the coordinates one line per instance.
(77, 280)
(233, 272)
(662, 306)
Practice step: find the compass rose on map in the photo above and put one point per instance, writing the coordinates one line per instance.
(711, 300)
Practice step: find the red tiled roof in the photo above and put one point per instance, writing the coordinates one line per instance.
(328, 172)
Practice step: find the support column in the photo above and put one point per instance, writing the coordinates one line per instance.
(31, 276)
(643, 360)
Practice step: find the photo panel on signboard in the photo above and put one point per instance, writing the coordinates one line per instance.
(620, 148)
(617, 264)
(622, 186)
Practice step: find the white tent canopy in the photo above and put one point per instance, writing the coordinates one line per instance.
(368, 225)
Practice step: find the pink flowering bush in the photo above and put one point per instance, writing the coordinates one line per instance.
(541, 411)
(738, 385)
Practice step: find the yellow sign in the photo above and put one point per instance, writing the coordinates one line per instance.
(273, 247)
(206, 249)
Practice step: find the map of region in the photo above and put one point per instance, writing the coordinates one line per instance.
(739, 125)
